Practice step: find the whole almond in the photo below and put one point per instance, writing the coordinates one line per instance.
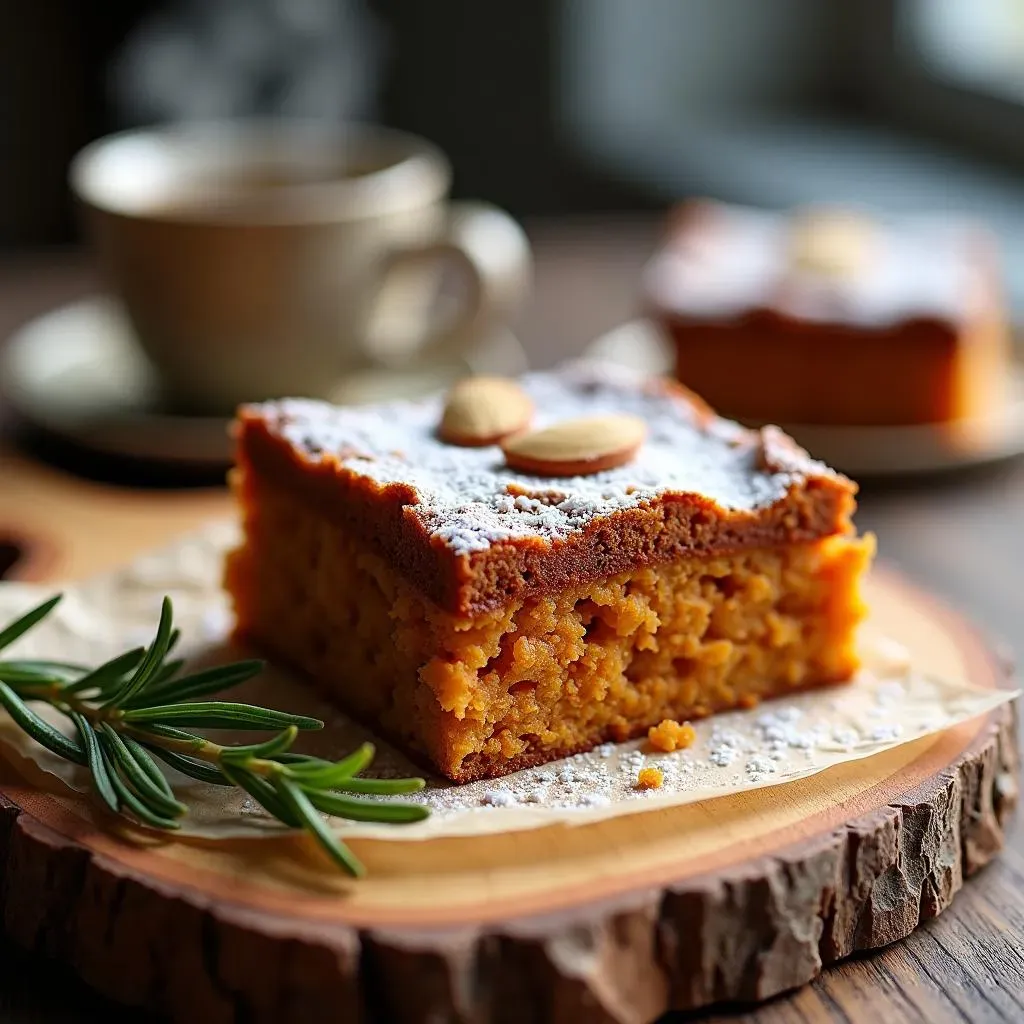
(576, 447)
(835, 243)
(484, 410)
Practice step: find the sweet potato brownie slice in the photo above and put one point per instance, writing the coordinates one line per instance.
(489, 621)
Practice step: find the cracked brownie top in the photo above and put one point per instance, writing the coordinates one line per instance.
(472, 532)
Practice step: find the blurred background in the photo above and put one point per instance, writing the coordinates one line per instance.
(552, 107)
(584, 119)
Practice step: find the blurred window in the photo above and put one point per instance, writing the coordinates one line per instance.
(975, 43)
(897, 105)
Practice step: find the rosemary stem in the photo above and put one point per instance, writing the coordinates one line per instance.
(203, 749)
(59, 697)
(207, 750)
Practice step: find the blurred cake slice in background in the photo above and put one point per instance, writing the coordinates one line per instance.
(833, 317)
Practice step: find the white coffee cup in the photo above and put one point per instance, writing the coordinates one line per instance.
(263, 259)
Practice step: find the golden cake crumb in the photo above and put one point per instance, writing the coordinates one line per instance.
(669, 735)
(650, 778)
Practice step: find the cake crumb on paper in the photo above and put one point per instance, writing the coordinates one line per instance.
(650, 778)
(669, 735)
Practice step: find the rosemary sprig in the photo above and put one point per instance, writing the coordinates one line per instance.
(139, 707)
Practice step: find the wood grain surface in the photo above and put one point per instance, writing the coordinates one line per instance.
(960, 535)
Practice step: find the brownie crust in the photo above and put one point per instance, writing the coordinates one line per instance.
(817, 503)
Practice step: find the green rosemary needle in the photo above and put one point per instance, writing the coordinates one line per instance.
(138, 708)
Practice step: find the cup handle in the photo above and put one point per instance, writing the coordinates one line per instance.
(491, 254)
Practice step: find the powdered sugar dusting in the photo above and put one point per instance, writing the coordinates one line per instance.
(735, 259)
(469, 500)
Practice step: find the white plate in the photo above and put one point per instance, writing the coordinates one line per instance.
(78, 373)
(864, 451)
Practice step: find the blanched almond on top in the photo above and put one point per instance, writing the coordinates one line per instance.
(484, 410)
(832, 242)
(576, 447)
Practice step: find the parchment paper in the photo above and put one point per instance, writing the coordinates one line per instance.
(890, 703)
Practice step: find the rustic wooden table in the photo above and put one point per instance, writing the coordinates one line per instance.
(961, 536)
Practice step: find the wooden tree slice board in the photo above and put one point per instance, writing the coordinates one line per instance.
(733, 899)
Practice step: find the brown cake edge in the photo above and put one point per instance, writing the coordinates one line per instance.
(818, 504)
